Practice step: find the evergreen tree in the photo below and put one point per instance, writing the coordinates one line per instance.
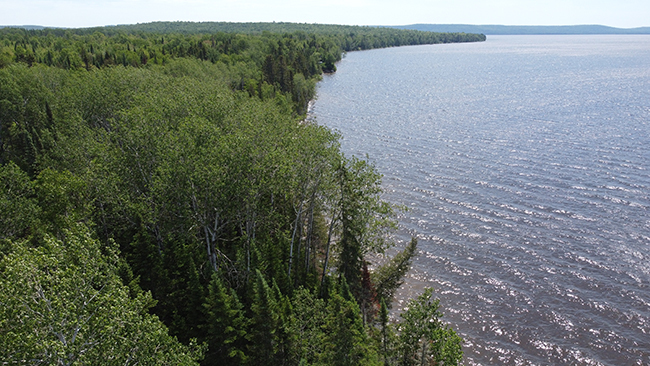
(388, 336)
(389, 277)
(346, 341)
(226, 325)
(19, 211)
(308, 321)
(265, 324)
(365, 219)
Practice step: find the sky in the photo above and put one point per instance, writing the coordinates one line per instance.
(89, 13)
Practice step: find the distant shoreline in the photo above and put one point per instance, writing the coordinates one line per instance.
(492, 29)
(523, 29)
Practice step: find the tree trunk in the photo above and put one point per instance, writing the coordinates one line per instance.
(327, 254)
(310, 232)
(293, 237)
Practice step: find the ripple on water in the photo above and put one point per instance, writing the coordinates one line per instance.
(525, 163)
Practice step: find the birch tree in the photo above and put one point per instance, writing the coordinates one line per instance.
(62, 303)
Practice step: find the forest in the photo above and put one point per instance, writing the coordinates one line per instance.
(165, 201)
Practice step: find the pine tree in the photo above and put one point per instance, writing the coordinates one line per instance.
(346, 341)
(263, 348)
(389, 277)
(226, 325)
(386, 333)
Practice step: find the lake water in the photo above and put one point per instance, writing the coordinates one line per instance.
(525, 164)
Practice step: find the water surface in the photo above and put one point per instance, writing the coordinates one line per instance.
(525, 164)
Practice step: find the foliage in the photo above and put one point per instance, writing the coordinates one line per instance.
(388, 278)
(345, 336)
(263, 59)
(161, 189)
(63, 304)
(18, 207)
(423, 338)
(308, 321)
(226, 325)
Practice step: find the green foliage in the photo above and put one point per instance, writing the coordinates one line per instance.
(64, 199)
(6, 56)
(308, 321)
(261, 58)
(388, 278)
(388, 338)
(62, 303)
(226, 325)
(365, 218)
(26, 123)
(18, 205)
(423, 338)
(195, 191)
(346, 340)
(269, 340)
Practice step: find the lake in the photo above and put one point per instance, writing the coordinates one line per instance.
(524, 162)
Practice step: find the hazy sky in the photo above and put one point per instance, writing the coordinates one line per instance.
(86, 13)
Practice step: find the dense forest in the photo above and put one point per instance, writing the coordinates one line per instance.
(524, 29)
(164, 201)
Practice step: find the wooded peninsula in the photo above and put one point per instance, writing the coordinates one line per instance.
(164, 201)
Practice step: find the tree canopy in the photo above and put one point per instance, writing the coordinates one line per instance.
(164, 199)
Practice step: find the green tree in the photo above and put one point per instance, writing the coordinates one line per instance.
(365, 219)
(226, 325)
(309, 319)
(19, 211)
(6, 56)
(346, 341)
(265, 327)
(63, 303)
(26, 123)
(64, 199)
(423, 338)
(388, 336)
(389, 276)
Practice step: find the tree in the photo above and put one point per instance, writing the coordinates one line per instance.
(62, 303)
(6, 56)
(18, 206)
(226, 325)
(387, 335)
(365, 219)
(308, 320)
(423, 338)
(63, 199)
(346, 341)
(389, 277)
(26, 129)
(265, 326)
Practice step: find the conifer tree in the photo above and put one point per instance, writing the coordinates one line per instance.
(226, 325)
(308, 320)
(346, 340)
(387, 334)
(389, 277)
(263, 348)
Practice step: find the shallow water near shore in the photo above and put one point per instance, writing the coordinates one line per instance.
(525, 164)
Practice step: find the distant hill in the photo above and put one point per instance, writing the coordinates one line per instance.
(28, 27)
(185, 27)
(523, 29)
(193, 27)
